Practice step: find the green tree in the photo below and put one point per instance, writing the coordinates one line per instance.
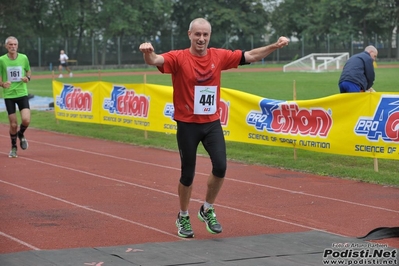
(76, 23)
(346, 20)
(231, 20)
(16, 17)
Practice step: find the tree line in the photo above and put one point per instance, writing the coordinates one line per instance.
(310, 21)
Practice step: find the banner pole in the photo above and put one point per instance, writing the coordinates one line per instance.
(145, 82)
(52, 74)
(294, 97)
(99, 79)
(375, 164)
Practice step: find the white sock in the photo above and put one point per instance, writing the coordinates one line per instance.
(207, 205)
(183, 213)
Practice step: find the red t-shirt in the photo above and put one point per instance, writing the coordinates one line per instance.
(196, 82)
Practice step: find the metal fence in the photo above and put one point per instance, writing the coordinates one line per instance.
(122, 52)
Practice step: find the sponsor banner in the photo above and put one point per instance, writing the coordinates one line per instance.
(357, 124)
(162, 110)
(77, 102)
(125, 105)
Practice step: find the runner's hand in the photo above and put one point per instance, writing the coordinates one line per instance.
(146, 48)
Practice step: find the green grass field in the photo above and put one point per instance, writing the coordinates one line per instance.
(273, 85)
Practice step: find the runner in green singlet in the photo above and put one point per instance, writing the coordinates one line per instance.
(15, 73)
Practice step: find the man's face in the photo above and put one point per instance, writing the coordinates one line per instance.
(12, 46)
(199, 36)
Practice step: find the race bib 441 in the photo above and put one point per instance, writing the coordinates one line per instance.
(205, 98)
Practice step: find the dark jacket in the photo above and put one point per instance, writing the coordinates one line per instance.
(359, 69)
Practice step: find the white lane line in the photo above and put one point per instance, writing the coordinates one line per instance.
(19, 241)
(110, 156)
(91, 209)
(160, 191)
(318, 196)
(163, 192)
(143, 187)
(207, 174)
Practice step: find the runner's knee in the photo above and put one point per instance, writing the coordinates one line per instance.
(219, 171)
(187, 180)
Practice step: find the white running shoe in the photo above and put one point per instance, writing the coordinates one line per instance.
(70, 75)
(13, 153)
(60, 76)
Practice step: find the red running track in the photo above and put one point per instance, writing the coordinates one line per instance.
(71, 192)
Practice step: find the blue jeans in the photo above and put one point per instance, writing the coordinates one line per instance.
(347, 86)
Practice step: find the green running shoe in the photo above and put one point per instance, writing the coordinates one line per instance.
(184, 226)
(209, 217)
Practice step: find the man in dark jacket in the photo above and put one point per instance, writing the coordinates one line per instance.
(358, 73)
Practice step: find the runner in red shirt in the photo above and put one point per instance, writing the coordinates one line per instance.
(196, 73)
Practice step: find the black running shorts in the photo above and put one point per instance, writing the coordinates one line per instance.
(21, 102)
(189, 135)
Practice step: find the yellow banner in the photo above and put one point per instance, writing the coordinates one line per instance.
(357, 124)
(77, 102)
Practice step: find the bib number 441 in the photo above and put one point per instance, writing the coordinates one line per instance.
(207, 100)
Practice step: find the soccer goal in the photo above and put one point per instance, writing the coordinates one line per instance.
(318, 62)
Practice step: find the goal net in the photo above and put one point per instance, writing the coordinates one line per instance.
(318, 62)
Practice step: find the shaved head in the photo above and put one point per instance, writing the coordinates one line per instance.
(199, 21)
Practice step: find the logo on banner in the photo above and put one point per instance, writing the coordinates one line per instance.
(384, 123)
(281, 117)
(126, 102)
(224, 108)
(169, 110)
(74, 99)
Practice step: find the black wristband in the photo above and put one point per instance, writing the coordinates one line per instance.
(28, 78)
